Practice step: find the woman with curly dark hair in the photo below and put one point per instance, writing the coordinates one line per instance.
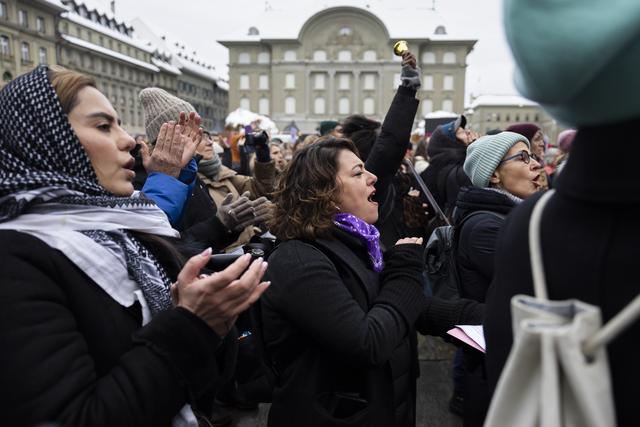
(338, 320)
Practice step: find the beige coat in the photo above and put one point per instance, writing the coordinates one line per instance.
(229, 181)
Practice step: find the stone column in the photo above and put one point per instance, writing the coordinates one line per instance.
(332, 92)
(355, 109)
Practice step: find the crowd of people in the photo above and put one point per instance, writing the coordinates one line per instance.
(150, 281)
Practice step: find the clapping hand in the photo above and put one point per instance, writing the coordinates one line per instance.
(191, 130)
(218, 299)
(167, 155)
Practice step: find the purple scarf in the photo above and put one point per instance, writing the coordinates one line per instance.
(367, 232)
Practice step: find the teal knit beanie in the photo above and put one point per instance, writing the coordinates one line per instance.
(485, 154)
(578, 58)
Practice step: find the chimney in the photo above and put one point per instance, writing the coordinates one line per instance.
(113, 7)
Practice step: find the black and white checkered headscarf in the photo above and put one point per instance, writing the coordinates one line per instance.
(45, 175)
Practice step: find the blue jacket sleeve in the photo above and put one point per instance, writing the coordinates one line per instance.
(188, 173)
(169, 193)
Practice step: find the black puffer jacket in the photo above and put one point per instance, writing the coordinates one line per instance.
(478, 237)
(445, 174)
(590, 233)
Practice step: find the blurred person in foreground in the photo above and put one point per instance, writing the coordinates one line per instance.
(590, 228)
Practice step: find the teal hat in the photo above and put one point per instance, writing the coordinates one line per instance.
(327, 126)
(485, 154)
(578, 58)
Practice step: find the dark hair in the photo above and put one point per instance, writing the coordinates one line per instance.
(67, 84)
(421, 149)
(362, 131)
(305, 196)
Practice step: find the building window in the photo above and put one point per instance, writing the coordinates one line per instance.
(244, 82)
(448, 82)
(40, 24)
(263, 82)
(344, 106)
(290, 81)
(245, 104)
(319, 55)
(264, 58)
(319, 81)
(427, 106)
(23, 18)
(289, 105)
(25, 52)
(290, 55)
(536, 118)
(263, 106)
(3, 10)
(343, 81)
(319, 106)
(369, 82)
(345, 31)
(427, 82)
(344, 56)
(42, 56)
(5, 48)
(369, 106)
(428, 58)
(447, 105)
(244, 58)
(449, 58)
(369, 55)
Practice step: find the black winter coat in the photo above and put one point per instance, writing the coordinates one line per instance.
(341, 336)
(445, 174)
(477, 239)
(199, 226)
(385, 159)
(74, 356)
(476, 242)
(590, 235)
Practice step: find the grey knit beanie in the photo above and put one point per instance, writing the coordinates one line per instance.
(159, 107)
(485, 154)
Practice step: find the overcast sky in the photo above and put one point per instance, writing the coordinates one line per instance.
(199, 23)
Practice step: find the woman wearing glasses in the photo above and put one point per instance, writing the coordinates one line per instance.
(503, 173)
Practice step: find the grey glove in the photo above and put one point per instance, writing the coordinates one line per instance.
(237, 215)
(410, 77)
(232, 212)
(262, 212)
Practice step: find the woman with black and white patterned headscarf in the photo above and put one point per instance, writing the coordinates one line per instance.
(93, 332)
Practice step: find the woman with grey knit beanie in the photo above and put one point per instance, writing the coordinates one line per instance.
(503, 173)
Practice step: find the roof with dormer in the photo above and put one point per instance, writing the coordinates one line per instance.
(410, 21)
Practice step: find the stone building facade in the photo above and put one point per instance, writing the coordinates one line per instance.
(97, 44)
(71, 34)
(197, 82)
(339, 62)
(27, 35)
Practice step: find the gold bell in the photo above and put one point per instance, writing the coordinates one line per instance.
(400, 47)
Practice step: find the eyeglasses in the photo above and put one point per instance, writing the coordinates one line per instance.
(523, 156)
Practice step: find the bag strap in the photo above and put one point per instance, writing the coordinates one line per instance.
(426, 192)
(616, 325)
